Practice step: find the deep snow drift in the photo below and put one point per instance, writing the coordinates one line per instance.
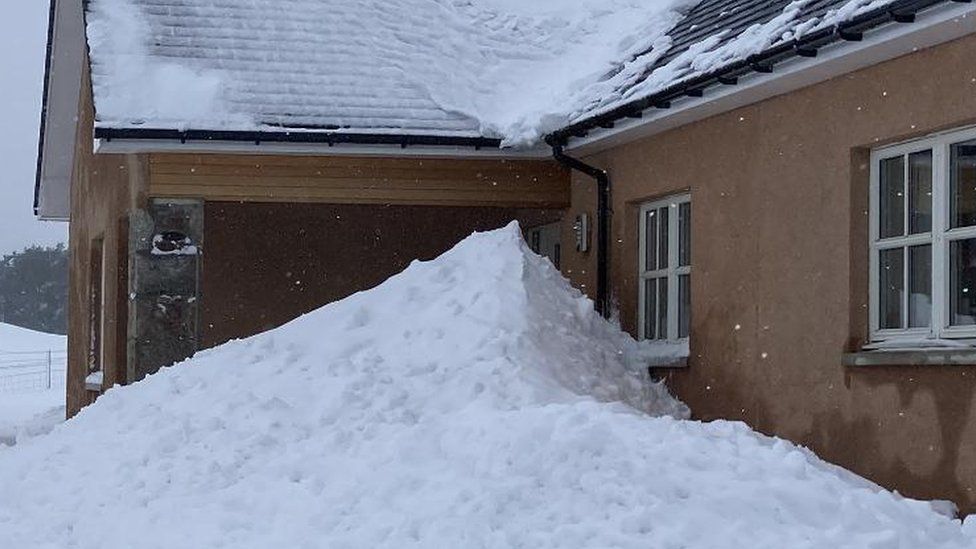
(471, 401)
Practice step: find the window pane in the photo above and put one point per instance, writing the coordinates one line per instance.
(920, 282)
(684, 234)
(650, 309)
(920, 192)
(650, 240)
(684, 306)
(962, 292)
(963, 184)
(662, 256)
(892, 285)
(662, 308)
(892, 197)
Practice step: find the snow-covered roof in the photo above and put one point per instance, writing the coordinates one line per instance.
(506, 69)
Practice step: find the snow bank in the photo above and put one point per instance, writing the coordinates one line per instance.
(14, 339)
(472, 401)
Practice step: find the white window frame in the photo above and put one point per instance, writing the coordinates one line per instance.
(672, 272)
(940, 237)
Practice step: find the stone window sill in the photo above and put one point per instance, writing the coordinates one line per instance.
(950, 356)
(664, 355)
(93, 382)
(670, 364)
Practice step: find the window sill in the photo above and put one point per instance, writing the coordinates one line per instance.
(93, 382)
(664, 355)
(676, 363)
(936, 356)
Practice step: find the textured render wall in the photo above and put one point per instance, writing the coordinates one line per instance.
(104, 189)
(265, 264)
(779, 193)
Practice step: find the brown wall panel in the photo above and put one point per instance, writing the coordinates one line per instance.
(265, 264)
(361, 180)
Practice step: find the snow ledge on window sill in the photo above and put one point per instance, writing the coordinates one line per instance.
(918, 356)
(662, 355)
(94, 382)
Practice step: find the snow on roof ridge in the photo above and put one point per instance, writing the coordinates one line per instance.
(492, 68)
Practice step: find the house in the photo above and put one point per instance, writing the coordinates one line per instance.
(252, 162)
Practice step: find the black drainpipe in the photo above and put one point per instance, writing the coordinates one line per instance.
(602, 223)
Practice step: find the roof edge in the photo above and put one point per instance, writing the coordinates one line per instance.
(329, 138)
(900, 11)
(52, 10)
(319, 143)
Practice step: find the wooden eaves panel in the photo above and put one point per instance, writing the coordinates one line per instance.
(361, 180)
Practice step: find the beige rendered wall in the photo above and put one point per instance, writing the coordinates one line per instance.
(779, 192)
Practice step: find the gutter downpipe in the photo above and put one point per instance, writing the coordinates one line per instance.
(603, 223)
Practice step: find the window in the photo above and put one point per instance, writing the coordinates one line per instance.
(96, 306)
(665, 269)
(923, 239)
(546, 241)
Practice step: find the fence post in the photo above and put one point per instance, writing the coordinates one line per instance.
(49, 369)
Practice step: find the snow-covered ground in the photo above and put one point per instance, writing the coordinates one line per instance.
(28, 407)
(472, 401)
(29, 414)
(14, 339)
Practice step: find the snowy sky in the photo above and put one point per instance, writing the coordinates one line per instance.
(22, 41)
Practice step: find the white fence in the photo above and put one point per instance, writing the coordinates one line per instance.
(33, 371)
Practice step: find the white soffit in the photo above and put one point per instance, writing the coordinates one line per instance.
(57, 147)
(933, 27)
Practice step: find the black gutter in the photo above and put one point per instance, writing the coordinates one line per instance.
(44, 99)
(330, 137)
(902, 12)
(602, 224)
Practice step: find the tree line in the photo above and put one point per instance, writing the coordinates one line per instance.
(34, 289)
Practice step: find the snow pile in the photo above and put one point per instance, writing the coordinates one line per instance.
(471, 401)
(29, 414)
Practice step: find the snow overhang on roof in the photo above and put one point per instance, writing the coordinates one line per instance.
(486, 69)
(879, 31)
